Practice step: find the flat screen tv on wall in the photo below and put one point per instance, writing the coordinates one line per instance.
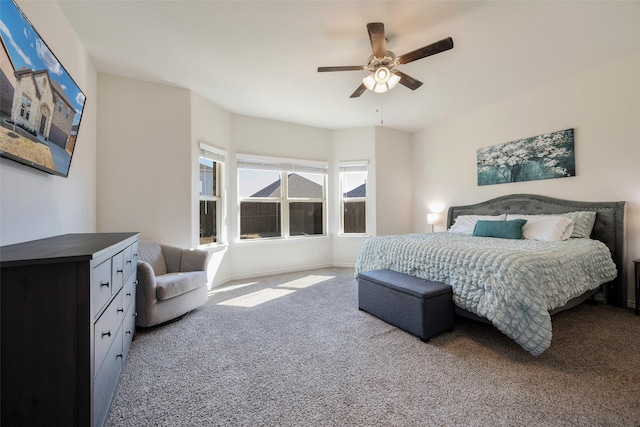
(40, 104)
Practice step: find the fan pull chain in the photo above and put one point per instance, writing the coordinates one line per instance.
(380, 110)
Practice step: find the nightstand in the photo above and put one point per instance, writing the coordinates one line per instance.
(636, 283)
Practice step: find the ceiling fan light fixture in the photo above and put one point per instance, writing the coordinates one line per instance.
(369, 82)
(382, 63)
(393, 80)
(381, 80)
(382, 75)
(381, 88)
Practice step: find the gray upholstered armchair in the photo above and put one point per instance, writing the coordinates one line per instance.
(171, 282)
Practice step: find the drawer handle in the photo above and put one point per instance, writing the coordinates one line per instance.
(104, 284)
(120, 310)
(128, 294)
(119, 271)
(108, 334)
(127, 332)
(135, 282)
(128, 261)
(119, 356)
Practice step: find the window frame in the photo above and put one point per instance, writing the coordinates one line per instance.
(218, 157)
(284, 167)
(353, 167)
(25, 106)
(289, 200)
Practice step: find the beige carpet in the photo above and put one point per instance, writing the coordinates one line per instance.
(294, 350)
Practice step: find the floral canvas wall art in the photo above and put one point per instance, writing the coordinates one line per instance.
(540, 157)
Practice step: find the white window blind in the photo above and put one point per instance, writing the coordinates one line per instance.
(360, 166)
(276, 164)
(212, 153)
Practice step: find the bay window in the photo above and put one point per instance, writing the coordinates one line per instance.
(211, 164)
(353, 197)
(281, 198)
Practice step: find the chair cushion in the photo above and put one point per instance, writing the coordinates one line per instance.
(173, 284)
(151, 252)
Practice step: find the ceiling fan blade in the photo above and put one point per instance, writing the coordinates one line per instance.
(342, 68)
(378, 42)
(423, 52)
(358, 91)
(407, 80)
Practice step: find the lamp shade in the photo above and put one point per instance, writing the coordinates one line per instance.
(369, 82)
(433, 218)
(380, 88)
(393, 80)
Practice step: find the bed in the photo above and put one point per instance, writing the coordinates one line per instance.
(514, 284)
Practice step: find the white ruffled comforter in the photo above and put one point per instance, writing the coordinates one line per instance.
(512, 283)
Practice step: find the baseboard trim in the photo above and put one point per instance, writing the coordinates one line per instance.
(274, 272)
(344, 264)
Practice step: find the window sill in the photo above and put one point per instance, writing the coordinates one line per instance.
(354, 236)
(281, 240)
(214, 247)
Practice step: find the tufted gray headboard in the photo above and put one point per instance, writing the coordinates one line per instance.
(608, 228)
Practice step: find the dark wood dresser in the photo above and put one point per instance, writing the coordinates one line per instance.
(67, 321)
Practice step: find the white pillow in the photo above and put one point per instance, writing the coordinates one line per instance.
(545, 227)
(465, 224)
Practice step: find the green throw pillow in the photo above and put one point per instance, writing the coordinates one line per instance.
(510, 229)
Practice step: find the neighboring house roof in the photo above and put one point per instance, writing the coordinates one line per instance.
(56, 86)
(23, 72)
(298, 186)
(359, 191)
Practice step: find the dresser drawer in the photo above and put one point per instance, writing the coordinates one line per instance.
(134, 255)
(105, 329)
(106, 380)
(129, 292)
(101, 284)
(57, 300)
(117, 272)
(128, 262)
(128, 330)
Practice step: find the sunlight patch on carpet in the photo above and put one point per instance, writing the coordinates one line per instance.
(256, 298)
(230, 288)
(305, 282)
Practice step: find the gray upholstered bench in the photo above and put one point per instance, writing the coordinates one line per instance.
(418, 306)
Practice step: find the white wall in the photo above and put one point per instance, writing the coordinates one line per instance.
(153, 186)
(34, 204)
(352, 145)
(251, 135)
(210, 125)
(388, 185)
(601, 105)
(263, 137)
(393, 182)
(144, 160)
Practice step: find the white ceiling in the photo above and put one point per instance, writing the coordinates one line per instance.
(260, 58)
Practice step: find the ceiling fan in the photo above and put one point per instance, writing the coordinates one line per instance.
(382, 64)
